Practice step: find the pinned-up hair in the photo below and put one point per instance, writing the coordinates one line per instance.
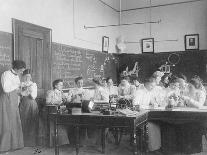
(196, 82)
(27, 71)
(78, 78)
(54, 83)
(125, 78)
(97, 81)
(18, 64)
(108, 78)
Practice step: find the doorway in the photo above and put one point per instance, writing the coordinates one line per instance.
(32, 44)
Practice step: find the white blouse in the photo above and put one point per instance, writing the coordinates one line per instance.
(10, 81)
(113, 90)
(29, 88)
(127, 91)
(77, 94)
(142, 97)
(100, 94)
(54, 96)
(196, 100)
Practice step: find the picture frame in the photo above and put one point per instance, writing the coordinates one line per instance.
(147, 45)
(192, 42)
(105, 44)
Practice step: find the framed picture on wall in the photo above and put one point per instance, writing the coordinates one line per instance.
(105, 44)
(147, 45)
(192, 42)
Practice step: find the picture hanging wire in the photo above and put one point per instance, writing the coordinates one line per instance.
(150, 18)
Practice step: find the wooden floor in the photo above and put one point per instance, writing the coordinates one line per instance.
(67, 150)
(111, 149)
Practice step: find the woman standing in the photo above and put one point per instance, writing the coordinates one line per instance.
(28, 109)
(11, 136)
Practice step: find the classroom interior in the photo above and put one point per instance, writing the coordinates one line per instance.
(65, 39)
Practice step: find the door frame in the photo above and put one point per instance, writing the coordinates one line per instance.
(17, 25)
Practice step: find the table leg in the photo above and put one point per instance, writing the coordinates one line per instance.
(77, 139)
(103, 139)
(141, 140)
(56, 137)
(116, 134)
(48, 128)
(146, 140)
(134, 140)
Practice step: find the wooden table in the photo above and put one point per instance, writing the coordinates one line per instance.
(131, 123)
(98, 120)
(177, 117)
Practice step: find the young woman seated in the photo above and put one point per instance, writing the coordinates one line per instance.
(56, 97)
(196, 95)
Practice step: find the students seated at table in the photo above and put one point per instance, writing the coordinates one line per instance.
(201, 82)
(56, 97)
(125, 89)
(145, 98)
(113, 90)
(104, 83)
(157, 75)
(183, 84)
(100, 94)
(173, 92)
(196, 96)
(158, 90)
(77, 94)
(28, 109)
(145, 95)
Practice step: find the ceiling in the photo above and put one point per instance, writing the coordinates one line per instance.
(132, 4)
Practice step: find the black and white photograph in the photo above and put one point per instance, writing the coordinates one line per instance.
(192, 42)
(147, 45)
(103, 77)
(105, 44)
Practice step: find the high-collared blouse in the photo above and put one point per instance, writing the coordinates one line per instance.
(113, 90)
(197, 99)
(100, 94)
(142, 97)
(146, 98)
(127, 91)
(10, 81)
(54, 96)
(77, 94)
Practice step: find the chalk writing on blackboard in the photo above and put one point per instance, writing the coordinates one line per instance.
(70, 62)
(5, 51)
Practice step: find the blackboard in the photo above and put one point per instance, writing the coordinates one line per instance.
(5, 51)
(69, 62)
(190, 63)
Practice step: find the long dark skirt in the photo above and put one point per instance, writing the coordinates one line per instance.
(28, 110)
(11, 137)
